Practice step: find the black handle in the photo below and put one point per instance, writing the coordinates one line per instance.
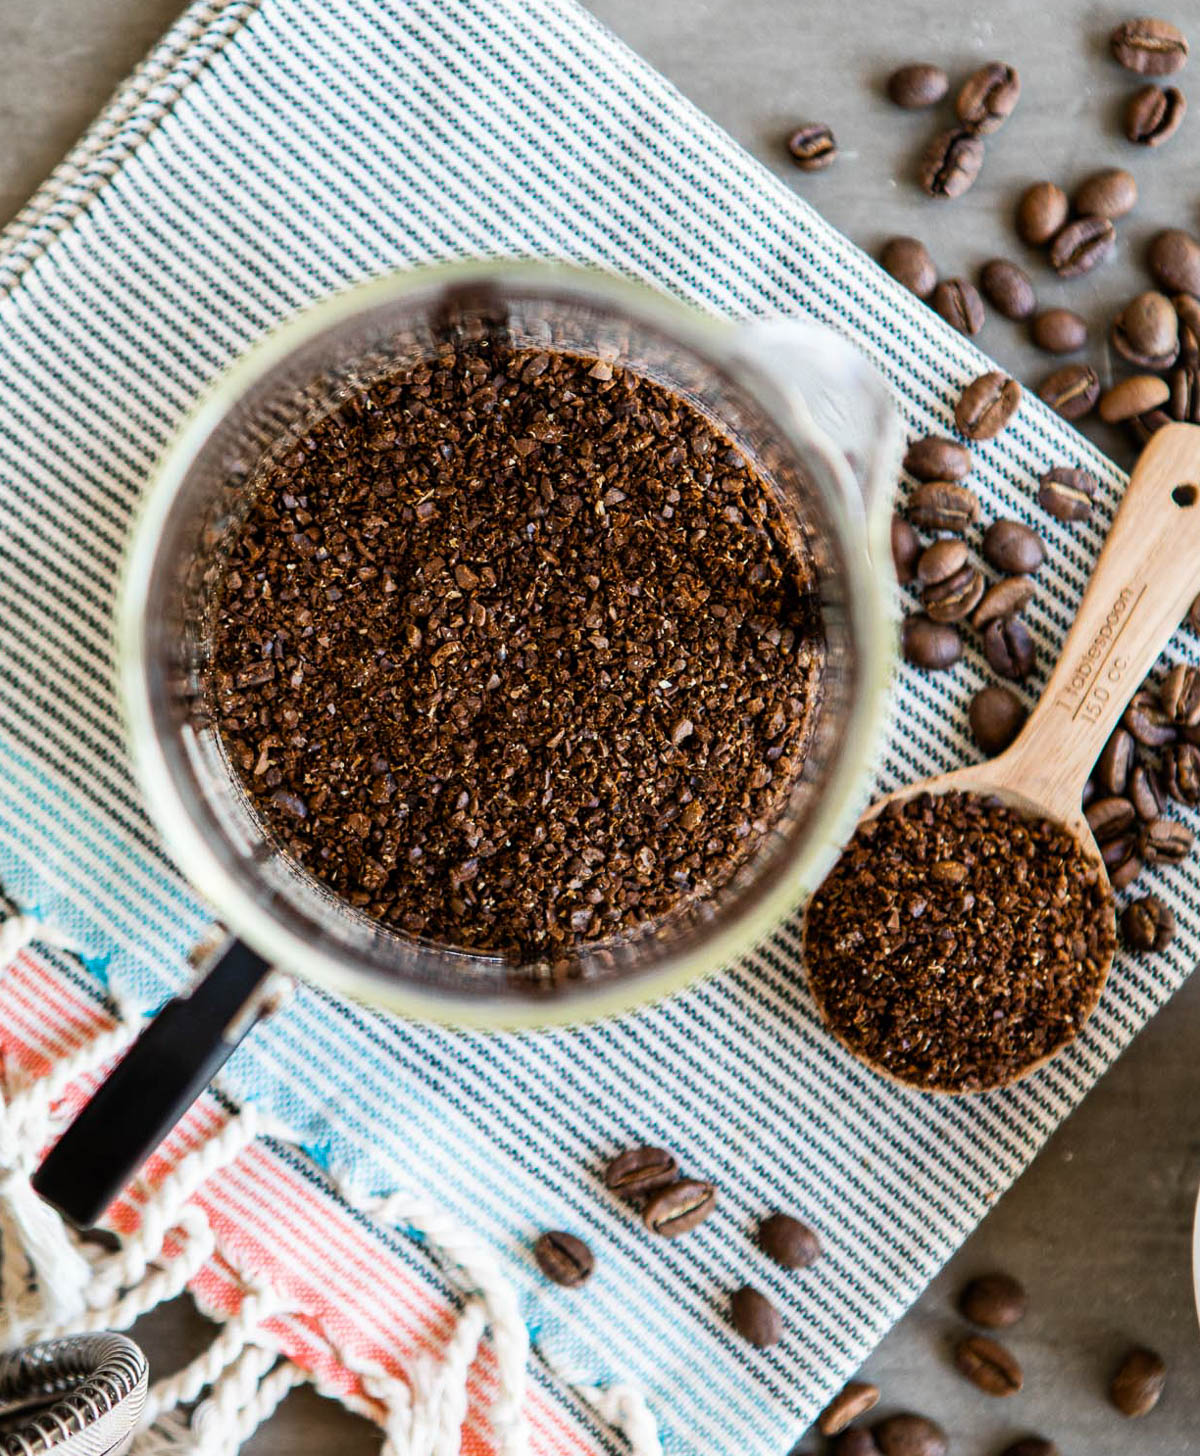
(150, 1089)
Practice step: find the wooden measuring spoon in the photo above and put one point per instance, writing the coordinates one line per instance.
(1145, 578)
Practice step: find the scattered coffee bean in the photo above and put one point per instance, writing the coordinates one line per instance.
(951, 163)
(906, 549)
(1187, 310)
(1138, 1383)
(1174, 259)
(909, 263)
(988, 1365)
(1148, 924)
(1042, 212)
(934, 646)
(755, 1318)
(996, 716)
(813, 146)
(852, 1401)
(943, 505)
(1009, 648)
(941, 561)
(1145, 793)
(1013, 548)
(1149, 47)
(792, 1244)
(857, 1441)
(1031, 1446)
(1007, 288)
(639, 1171)
(1111, 193)
(955, 597)
(959, 303)
(1147, 721)
(1110, 818)
(917, 85)
(1004, 598)
(995, 1301)
(1059, 331)
(1067, 493)
(1123, 863)
(1115, 763)
(1184, 402)
(1146, 331)
(563, 1258)
(936, 458)
(1166, 841)
(679, 1207)
(1180, 695)
(1133, 396)
(1181, 773)
(1072, 390)
(987, 98)
(987, 405)
(1079, 246)
(1153, 115)
(910, 1435)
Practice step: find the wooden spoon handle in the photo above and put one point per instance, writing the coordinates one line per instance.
(1145, 578)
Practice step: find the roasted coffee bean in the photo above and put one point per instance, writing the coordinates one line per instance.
(755, 1318)
(1123, 873)
(931, 645)
(1007, 288)
(1009, 648)
(1146, 720)
(1072, 390)
(1149, 47)
(679, 1207)
(1138, 1382)
(943, 505)
(639, 1171)
(1184, 401)
(852, 1401)
(906, 549)
(1004, 598)
(1067, 493)
(1111, 193)
(789, 1242)
(1059, 331)
(1180, 695)
(941, 561)
(1174, 258)
(955, 597)
(951, 163)
(857, 1441)
(1041, 213)
(936, 458)
(1115, 850)
(995, 1301)
(1144, 791)
(1166, 841)
(996, 716)
(1088, 795)
(1109, 818)
(910, 1435)
(1081, 245)
(1143, 428)
(986, 405)
(1181, 773)
(813, 146)
(959, 303)
(1187, 310)
(1031, 1446)
(1148, 924)
(1153, 115)
(1013, 548)
(1146, 331)
(1133, 396)
(917, 85)
(988, 1365)
(987, 98)
(563, 1258)
(909, 263)
(1115, 763)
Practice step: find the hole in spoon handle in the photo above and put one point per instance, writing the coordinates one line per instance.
(1145, 578)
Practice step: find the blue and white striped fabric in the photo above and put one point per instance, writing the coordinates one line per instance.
(269, 154)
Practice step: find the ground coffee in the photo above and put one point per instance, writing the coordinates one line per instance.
(516, 650)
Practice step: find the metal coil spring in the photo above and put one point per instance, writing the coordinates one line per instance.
(76, 1396)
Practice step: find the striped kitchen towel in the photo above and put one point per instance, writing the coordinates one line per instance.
(359, 1198)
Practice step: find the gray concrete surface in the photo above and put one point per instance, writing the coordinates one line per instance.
(1099, 1228)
